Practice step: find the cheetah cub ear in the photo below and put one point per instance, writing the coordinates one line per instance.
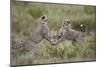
(44, 17)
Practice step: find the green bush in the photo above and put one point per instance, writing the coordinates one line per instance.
(35, 11)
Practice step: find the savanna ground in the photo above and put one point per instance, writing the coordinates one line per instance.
(24, 18)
